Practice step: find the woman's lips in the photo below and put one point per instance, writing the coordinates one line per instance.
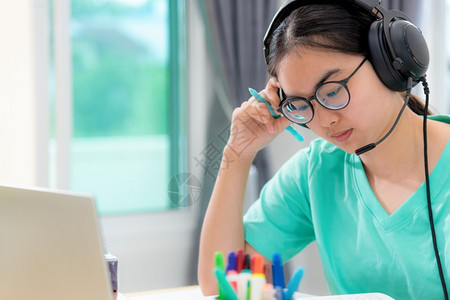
(342, 136)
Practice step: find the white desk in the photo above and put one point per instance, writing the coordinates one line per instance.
(185, 293)
(194, 293)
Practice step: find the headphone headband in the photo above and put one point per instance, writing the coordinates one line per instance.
(371, 6)
(397, 48)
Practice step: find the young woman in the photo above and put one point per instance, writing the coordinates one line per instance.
(368, 212)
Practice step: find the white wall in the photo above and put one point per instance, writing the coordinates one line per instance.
(153, 249)
(24, 107)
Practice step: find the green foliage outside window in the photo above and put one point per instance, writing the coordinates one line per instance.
(120, 85)
(122, 141)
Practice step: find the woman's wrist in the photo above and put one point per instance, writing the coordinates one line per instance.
(232, 154)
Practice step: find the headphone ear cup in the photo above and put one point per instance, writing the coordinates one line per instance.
(379, 57)
(410, 51)
(410, 48)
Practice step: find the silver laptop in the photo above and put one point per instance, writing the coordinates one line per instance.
(50, 246)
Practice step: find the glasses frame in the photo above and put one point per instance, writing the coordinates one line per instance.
(286, 100)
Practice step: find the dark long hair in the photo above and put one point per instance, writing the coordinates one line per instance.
(337, 27)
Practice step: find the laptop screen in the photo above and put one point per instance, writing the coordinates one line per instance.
(50, 246)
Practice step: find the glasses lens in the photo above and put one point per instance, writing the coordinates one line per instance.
(297, 110)
(333, 95)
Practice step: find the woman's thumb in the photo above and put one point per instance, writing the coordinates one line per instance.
(282, 123)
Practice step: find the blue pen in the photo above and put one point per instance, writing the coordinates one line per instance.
(291, 129)
(293, 284)
(277, 271)
(231, 261)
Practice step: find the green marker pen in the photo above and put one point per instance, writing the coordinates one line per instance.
(224, 286)
(220, 264)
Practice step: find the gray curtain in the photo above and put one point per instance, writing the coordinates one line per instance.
(410, 7)
(235, 31)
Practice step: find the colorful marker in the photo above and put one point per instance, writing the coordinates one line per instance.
(293, 283)
(219, 261)
(258, 279)
(232, 278)
(220, 264)
(231, 261)
(277, 271)
(224, 286)
(253, 284)
(247, 264)
(244, 279)
(239, 260)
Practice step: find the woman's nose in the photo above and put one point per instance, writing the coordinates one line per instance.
(325, 116)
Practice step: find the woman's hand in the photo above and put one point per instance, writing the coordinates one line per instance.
(252, 126)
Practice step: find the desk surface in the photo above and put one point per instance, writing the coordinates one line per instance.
(194, 293)
(186, 293)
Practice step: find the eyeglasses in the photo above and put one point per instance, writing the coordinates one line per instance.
(333, 95)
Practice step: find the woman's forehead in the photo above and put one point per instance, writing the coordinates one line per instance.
(301, 70)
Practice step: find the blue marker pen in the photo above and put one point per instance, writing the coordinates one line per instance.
(231, 261)
(293, 283)
(277, 271)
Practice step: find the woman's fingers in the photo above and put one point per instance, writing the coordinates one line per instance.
(265, 113)
(281, 124)
(259, 111)
(257, 119)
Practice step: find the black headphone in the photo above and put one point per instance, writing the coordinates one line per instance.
(397, 48)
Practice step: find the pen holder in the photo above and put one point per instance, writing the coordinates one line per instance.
(250, 279)
(112, 267)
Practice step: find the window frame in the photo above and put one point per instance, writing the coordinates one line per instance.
(178, 122)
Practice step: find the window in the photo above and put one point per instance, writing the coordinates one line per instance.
(127, 142)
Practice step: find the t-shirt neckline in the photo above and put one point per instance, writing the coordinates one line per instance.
(414, 204)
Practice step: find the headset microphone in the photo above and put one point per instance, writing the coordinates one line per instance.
(369, 147)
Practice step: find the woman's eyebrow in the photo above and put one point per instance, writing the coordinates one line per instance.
(325, 77)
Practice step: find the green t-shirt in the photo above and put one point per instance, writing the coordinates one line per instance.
(322, 194)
